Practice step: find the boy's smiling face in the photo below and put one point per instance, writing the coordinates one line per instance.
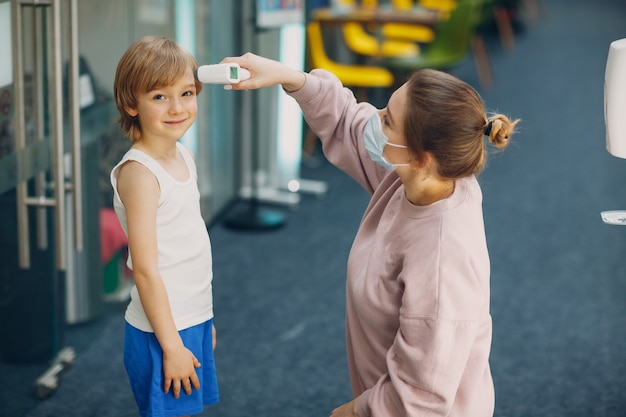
(167, 112)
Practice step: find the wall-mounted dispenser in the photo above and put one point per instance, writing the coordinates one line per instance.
(615, 113)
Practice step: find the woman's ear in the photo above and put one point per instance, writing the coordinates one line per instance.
(421, 162)
(415, 163)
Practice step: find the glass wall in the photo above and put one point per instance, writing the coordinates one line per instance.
(59, 140)
(207, 29)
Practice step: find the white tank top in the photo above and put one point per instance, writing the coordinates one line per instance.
(184, 249)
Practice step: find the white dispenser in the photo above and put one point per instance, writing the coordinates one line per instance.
(615, 113)
(615, 99)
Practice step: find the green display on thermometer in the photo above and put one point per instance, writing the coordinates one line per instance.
(220, 73)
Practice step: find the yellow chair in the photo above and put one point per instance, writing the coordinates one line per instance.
(407, 32)
(445, 6)
(350, 75)
(415, 33)
(359, 77)
(363, 43)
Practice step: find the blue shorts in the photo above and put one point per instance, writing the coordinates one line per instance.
(143, 359)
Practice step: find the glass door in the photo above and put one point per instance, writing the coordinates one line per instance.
(58, 126)
(41, 174)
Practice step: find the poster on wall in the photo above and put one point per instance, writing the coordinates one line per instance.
(275, 13)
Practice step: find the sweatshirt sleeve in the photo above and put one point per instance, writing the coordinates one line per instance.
(338, 120)
(426, 364)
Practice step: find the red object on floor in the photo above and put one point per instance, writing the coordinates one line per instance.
(112, 236)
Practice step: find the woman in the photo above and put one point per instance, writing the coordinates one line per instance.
(418, 322)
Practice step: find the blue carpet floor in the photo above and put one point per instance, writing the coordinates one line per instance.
(558, 272)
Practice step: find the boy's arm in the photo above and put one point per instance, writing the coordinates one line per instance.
(139, 191)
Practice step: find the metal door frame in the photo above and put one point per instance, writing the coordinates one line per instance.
(52, 70)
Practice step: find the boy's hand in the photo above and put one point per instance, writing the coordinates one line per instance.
(179, 371)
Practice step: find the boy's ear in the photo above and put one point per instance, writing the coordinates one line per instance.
(131, 111)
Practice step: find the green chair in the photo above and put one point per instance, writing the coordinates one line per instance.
(496, 11)
(455, 38)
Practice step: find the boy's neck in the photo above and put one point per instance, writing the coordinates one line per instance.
(160, 151)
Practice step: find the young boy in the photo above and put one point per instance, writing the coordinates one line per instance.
(170, 336)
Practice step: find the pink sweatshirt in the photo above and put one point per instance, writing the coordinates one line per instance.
(417, 320)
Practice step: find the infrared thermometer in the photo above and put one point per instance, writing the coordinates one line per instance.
(227, 74)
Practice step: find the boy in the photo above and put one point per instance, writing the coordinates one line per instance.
(169, 326)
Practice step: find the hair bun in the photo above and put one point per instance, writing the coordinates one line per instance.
(499, 129)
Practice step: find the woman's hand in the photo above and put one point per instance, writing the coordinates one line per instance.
(346, 410)
(266, 72)
(179, 371)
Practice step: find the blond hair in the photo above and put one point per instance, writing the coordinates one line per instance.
(149, 63)
(446, 117)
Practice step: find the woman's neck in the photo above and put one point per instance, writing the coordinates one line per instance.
(428, 190)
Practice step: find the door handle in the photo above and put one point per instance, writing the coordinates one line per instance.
(20, 133)
(55, 106)
(77, 186)
(40, 180)
(56, 133)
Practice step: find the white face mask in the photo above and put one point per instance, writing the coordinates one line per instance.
(375, 141)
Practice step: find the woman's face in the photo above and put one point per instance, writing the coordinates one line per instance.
(392, 119)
